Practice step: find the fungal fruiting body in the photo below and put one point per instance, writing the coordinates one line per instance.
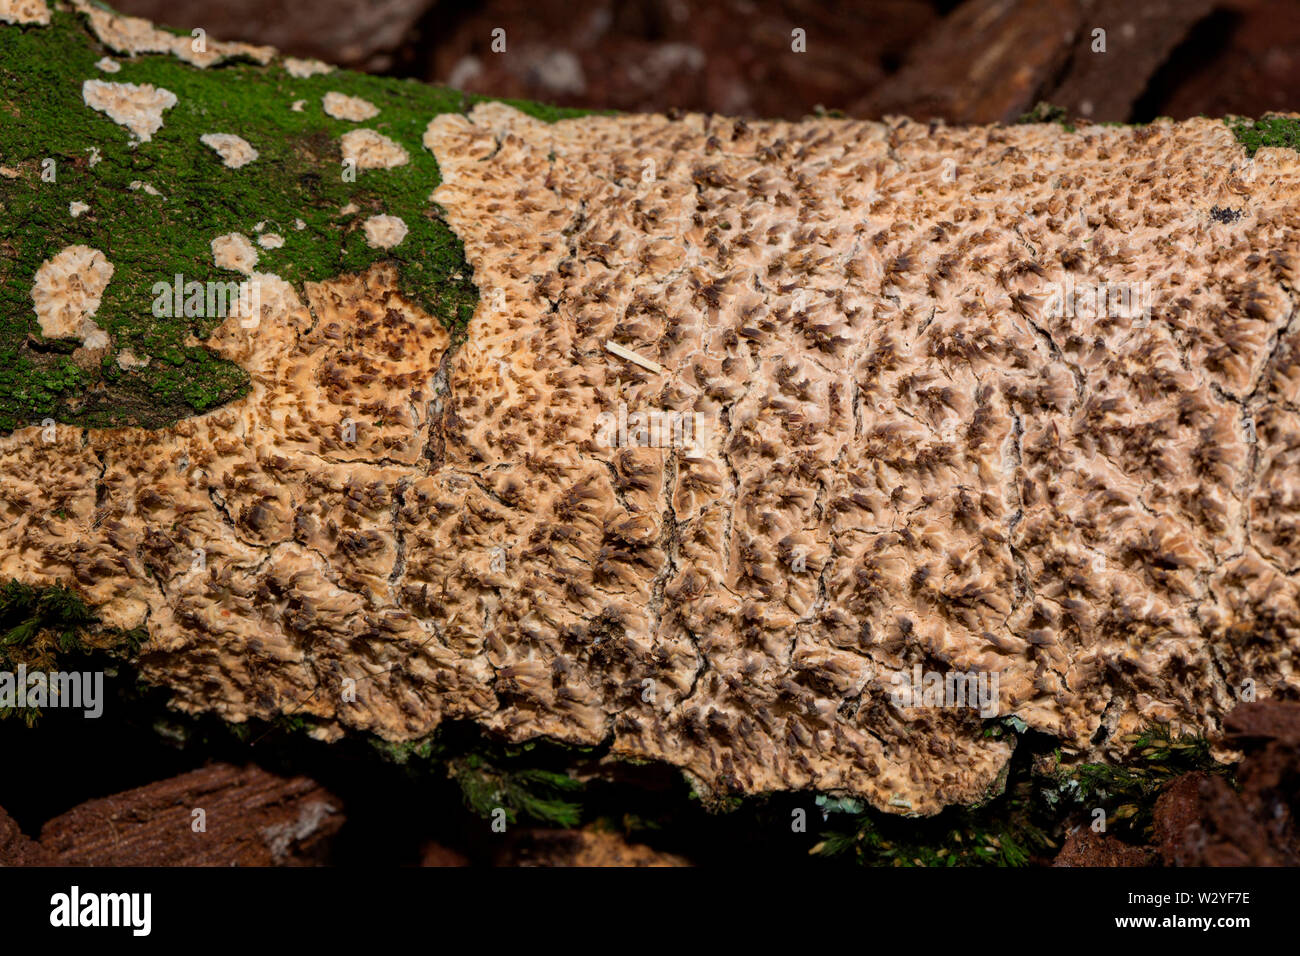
(934, 447)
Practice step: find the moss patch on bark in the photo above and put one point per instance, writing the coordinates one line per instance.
(64, 152)
(1254, 135)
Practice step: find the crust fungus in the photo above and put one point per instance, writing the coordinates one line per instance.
(343, 107)
(67, 292)
(233, 251)
(138, 107)
(371, 150)
(928, 443)
(132, 36)
(25, 12)
(235, 151)
(384, 232)
(303, 69)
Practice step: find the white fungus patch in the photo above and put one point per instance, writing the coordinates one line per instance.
(127, 359)
(134, 35)
(371, 150)
(235, 151)
(92, 337)
(66, 294)
(299, 224)
(305, 68)
(234, 251)
(270, 295)
(344, 107)
(272, 240)
(24, 11)
(108, 64)
(298, 105)
(384, 232)
(137, 107)
(137, 185)
(75, 209)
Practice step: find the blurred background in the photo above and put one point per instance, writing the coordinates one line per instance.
(970, 61)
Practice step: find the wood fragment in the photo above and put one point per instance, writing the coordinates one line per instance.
(633, 357)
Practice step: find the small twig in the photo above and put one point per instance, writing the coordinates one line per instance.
(633, 357)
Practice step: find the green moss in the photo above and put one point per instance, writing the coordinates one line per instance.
(1128, 791)
(42, 628)
(150, 239)
(405, 752)
(1266, 131)
(298, 176)
(525, 780)
(1007, 832)
(1047, 113)
(1029, 816)
(541, 795)
(30, 616)
(721, 803)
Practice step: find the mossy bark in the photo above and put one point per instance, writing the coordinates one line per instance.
(154, 208)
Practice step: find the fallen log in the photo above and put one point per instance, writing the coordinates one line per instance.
(985, 422)
(220, 815)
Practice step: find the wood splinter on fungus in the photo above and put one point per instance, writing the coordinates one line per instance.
(629, 355)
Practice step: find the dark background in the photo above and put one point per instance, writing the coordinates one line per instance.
(972, 61)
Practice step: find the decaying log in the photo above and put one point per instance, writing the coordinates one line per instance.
(904, 443)
(1083, 847)
(16, 849)
(220, 815)
(992, 60)
(1203, 820)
